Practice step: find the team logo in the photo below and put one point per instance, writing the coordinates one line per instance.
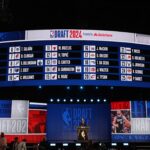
(11, 49)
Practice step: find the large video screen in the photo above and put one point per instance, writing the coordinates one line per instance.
(18, 120)
(74, 57)
(37, 121)
(64, 119)
(14, 116)
(130, 121)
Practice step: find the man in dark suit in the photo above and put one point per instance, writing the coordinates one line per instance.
(83, 134)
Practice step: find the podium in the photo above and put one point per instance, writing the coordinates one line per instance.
(82, 133)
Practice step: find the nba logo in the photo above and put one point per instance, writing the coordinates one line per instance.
(86, 76)
(11, 49)
(54, 61)
(10, 78)
(86, 69)
(86, 55)
(86, 48)
(52, 34)
(11, 63)
(47, 76)
(48, 47)
(123, 63)
(86, 62)
(10, 70)
(123, 70)
(11, 56)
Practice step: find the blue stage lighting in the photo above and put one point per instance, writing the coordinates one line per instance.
(81, 87)
(68, 87)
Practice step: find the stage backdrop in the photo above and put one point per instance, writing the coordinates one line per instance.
(63, 120)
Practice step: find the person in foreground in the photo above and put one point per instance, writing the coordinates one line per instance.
(3, 142)
(83, 134)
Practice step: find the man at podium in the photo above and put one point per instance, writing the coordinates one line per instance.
(82, 130)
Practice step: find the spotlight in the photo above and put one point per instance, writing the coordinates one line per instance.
(84, 100)
(111, 87)
(105, 100)
(98, 100)
(78, 144)
(40, 87)
(71, 100)
(81, 87)
(52, 144)
(78, 100)
(92, 100)
(100, 144)
(65, 144)
(113, 144)
(51, 100)
(68, 87)
(96, 87)
(58, 100)
(64, 100)
(125, 144)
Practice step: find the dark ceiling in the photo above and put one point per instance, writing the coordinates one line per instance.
(102, 14)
